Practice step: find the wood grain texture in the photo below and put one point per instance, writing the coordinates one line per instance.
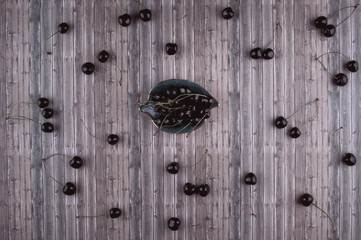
(239, 136)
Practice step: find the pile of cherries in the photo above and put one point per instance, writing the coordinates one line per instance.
(180, 106)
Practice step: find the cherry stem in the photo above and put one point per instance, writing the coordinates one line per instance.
(251, 205)
(316, 115)
(338, 52)
(121, 75)
(52, 155)
(118, 7)
(354, 9)
(325, 68)
(334, 143)
(183, 128)
(161, 125)
(46, 171)
(204, 169)
(334, 226)
(204, 156)
(196, 225)
(12, 107)
(316, 100)
(49, 53)
(173, 124)
(139, 3)
(87, 129)
(278, 25)
(175, 27)
(106, 75)
(21, 118)
(91, 216)
(197, 124)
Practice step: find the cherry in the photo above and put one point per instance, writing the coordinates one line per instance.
(349, 159)
(340, 79)
(47, 113)
(76, 162)
(329, 31)
(280, 122)
(352, 66)
(112, 139)
(88, 68)
(69, 188)
(321, 22)
(47, 127)
(256, 53)
(306, 199)
(171, 48)
(268, 54)
(115, 212)
(203, 190)
(173, 168)
(295, 132)
(174, 223)
(227, 13)
(63, 27)
(103, 56)
(124, 20)
(43, 102)
(145, 15)
(250, 179)
(189, 189)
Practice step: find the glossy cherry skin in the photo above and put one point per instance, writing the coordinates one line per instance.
(349, 159)
(203, 190)
(145, 15)
(103, 56)
(43, 102)
(329, 31)
(173, 168)
(306, 199)
(256, 53)
(124, 20)
(171, 48)
(115, 212)
(113, 139)
(295, 132)
(47, 127)
(47, 113)
(280, 122)
(227, 13)
(189, 189)
(321, 22)
(174, 223)
(352, 66)
(340, 79)
(76, 162)
(69, 188)
(63, 28)
(250, 179)
(88, 68)
(268, 54)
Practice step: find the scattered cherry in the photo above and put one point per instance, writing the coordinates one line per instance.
(47, 113)
(173, 168)
(268, 54)
(47, 127)
(171, 48)
(203, 190)
(189, 189)
(280, 122)
(256, 53)
(103, 56)
(76, 162)
(295, 132)
(88, 68)
(115, 212)
(227, 13)
(349, 159)
(340, 79)
(145, 15)
(63, 27)
(124, 20)
(329, 31)
(250, 179)
(69, 188)
(174, 223)
(352, 66)
(321, 22)
(113, 139)
(306, 199)
(43, 102)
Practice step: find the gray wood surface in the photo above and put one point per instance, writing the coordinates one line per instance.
(239, 136)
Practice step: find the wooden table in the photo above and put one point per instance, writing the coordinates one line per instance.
(240, 135)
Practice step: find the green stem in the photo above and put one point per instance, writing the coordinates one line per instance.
(334, 141)
(46, 171)
(316, 115)
(183, 128)
(22, 118)
(338, 52)
(325, 68)
(174, 29)
(12, 107)
(49, 53)
(278, 25)
(316, 100)
(52, 155)
(251, 205)
(334, 226)
(89, 130)
(91, 216)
